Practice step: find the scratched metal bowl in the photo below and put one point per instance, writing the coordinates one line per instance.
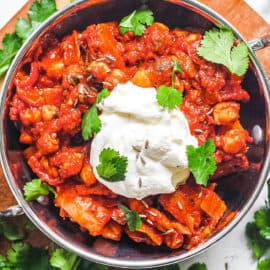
(238, 190)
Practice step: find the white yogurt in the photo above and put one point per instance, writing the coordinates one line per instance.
(153, 139)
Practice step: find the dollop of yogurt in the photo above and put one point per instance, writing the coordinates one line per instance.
(153, 139)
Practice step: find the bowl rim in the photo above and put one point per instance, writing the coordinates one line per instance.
(125, 262)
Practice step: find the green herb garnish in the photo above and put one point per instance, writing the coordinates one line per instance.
(12, 231)
(11, 44)
(168, 96)
(264, 264)
(258, 244)
(35, 188)
(217, 47)
(258, 233)
(38, 12)
(201, 161)
(102, 94)
(136, 22)
(133, 219)
(176, 67)
(64, 260)
(112, 166)
(198, 266)
(91, 123)
(22, 256)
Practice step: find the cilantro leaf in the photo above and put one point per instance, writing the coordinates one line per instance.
(264, 264)
(106, 170)
(11, 230)
(11, 44)
(198, 266)
(102, 94)
(91, 123)
(64, 260)
(136, 22)
(176, 67)
(217, 47)
(239, 58)
(38, 12)
(265, 233)
(201, 162)
(23, 28)
(112, 166)
(35, 188)
(21, 256)
(41, 10)
(133, 219)
(262, 218)
(258, 244)
(168, 97)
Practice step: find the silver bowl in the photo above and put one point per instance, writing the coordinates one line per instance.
(238, 190)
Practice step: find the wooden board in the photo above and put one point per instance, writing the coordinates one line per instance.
(246, 20)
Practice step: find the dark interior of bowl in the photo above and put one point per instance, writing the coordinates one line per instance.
(235, 189)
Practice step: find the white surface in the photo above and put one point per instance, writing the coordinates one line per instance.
(233, 248)
(9, 9)
(262, 7)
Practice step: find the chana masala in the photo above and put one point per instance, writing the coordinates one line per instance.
(56, 87)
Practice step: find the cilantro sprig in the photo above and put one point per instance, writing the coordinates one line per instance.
(91, 123)
(258, 234)
(218, 47)
(168, 96)
(264, 264)
(22, 256)
(35, 188)
(11, 230)
(38, 12)
(133, 219)
(11, 43)
(112, 166)
(136, 22)
(201, 161)
(198, 266)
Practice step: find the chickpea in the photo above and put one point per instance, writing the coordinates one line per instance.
(142, 78)
(234, 141)
(115, 77)
(98, 69)
(30, 116)
(48, 143)
(26, 138)
(87, 174)
(52, 171)
(48, 112)
(226, 113)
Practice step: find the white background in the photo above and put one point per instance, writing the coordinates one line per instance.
(233, 249)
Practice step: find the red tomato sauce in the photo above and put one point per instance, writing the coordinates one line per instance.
(62, 84)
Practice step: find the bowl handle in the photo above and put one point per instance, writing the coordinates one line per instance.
(12, 211)
(260, 43)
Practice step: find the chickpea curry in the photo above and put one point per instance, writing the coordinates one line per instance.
(56, 87)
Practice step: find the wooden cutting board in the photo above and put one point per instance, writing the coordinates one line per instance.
(245, 19)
